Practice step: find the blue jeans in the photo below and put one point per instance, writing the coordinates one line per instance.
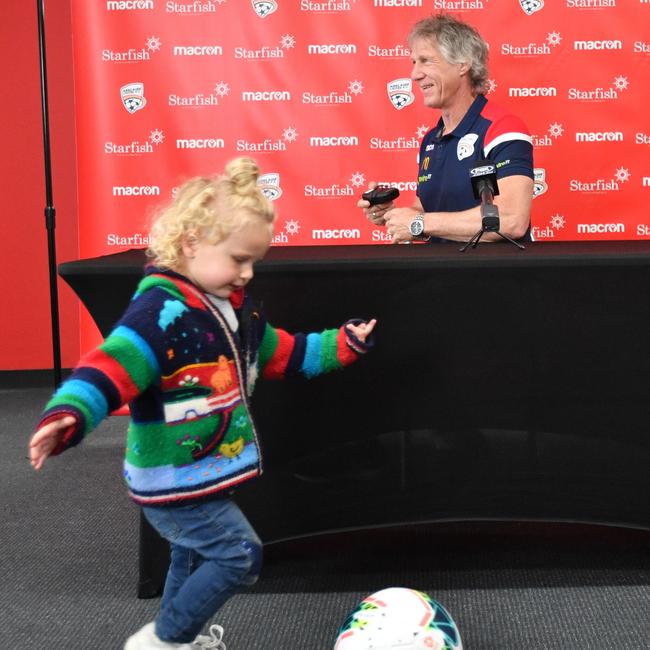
(214, 552)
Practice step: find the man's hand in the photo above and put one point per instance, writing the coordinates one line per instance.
(47, 438)
(375, 213)
(398, 222)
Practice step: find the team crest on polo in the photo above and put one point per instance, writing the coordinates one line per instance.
(269, 184)
(400, 92)
(465, 146)
(539, 183)
(264, 8)
(133, 97)
(531, 6)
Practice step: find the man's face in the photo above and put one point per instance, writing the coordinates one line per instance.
(438, 79)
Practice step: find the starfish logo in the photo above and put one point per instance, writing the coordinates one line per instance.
(421, 131)
(555, 130)
(287, 42)
(222, 89)
(557, 222)
(355, 87)
(553, 39)
(289, 134)
(153, 44)
(357, 179)
(156, 137)
(622, 175)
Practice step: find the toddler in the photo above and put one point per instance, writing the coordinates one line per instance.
(185, 356)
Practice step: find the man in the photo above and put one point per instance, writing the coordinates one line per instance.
(449, 65)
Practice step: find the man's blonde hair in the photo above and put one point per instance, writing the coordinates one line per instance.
(210, 208)
(458, 42)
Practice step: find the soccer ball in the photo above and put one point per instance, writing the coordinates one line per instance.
(399, 619)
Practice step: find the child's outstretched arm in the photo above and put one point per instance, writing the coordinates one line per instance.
(363, 330)
(48, 438)
(283, 355)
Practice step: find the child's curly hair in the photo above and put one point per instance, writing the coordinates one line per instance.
(210, 208)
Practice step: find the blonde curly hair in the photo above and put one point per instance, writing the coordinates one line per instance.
(210, 208)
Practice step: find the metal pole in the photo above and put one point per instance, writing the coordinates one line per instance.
(50, 212)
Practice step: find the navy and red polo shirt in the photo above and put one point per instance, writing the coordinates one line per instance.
(486, 132)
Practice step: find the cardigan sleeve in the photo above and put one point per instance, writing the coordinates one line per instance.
(282, 354)
(109, 376)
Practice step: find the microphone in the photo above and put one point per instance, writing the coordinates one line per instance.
(483, 175)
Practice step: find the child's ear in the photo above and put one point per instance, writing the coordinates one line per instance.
(188, 243)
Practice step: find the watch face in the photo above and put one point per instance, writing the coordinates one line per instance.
(416, 227)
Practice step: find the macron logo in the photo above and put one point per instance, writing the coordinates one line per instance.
(331, 141)
(136, 190)
(126, 5)
(599, 136)
(198, 50)
(336, 233)
(597, 45)
(347, 48)
(549, 91)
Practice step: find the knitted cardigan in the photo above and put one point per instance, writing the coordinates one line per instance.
(187, 378)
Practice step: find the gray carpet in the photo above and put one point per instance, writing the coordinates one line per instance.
(68, 563)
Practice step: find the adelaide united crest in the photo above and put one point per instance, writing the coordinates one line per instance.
(133, 96)
(400, 92)
(531, 6)
(269, 184)
(264, 8)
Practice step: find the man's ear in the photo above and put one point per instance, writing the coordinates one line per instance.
(464, 69)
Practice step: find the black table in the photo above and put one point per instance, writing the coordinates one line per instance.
(505, 385)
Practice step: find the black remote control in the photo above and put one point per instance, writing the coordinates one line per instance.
(380, 194)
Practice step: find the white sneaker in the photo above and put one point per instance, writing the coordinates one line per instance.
(215, 640)
(146, 639)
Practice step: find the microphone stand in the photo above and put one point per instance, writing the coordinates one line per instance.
(490, 222)
(50, 212)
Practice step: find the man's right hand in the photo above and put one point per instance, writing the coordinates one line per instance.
(374, 213)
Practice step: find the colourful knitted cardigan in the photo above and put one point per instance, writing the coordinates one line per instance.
(188, 379)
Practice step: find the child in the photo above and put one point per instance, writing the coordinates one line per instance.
(185, 356)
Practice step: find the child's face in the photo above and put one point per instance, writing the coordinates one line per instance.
(220, 269)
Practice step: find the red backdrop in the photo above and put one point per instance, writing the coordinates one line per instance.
(319, 93)
(167, 90)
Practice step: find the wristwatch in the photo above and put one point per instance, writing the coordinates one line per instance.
(416, 228)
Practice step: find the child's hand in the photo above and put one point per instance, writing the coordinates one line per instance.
(46, 439)
(362, 330)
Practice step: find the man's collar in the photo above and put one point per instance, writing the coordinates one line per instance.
(466, 123)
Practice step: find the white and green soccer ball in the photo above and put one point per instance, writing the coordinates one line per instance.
(399, 619)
